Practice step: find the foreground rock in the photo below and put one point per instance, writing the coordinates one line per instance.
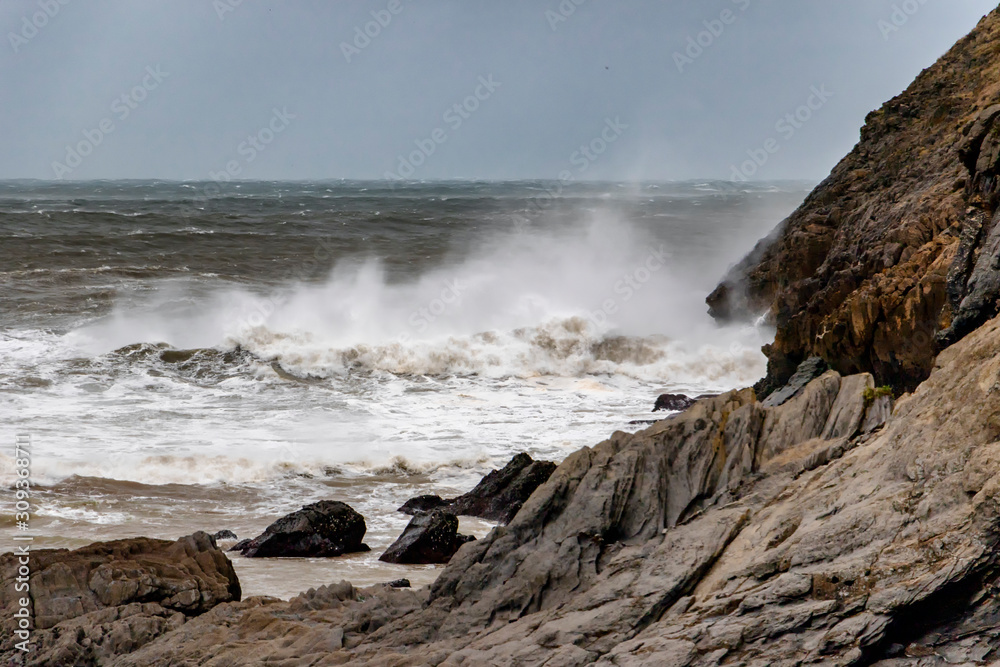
(895, 253)
(732, 534)
(326, 528)
(430, 537)
(499, 495)
(112, 597)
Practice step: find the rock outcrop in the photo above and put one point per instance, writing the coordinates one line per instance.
(110, 598)
(497, 497)
(897, 252)
(430, 537)
(731, 534)
(323, 529)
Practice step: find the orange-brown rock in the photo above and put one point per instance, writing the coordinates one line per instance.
(878, 260)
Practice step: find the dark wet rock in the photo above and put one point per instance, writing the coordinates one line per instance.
(430, 537)
(326, 528)
(806, 372)
(673, 402)
(399, 583)
(112, 597)
(678, 402)
(497, 497)
(500, 494)
(981, 290)
(420, 504)
(224, 535)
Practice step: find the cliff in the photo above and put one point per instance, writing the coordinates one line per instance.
(894, 255)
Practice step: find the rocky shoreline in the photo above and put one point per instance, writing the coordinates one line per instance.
(846, 511)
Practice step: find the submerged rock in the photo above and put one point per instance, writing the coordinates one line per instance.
(326, 528)
(497, 497)
(430, 537)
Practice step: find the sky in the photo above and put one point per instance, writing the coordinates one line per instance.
(454, 89)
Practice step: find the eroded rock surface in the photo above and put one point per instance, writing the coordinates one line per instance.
(110, 598)
(895, 253)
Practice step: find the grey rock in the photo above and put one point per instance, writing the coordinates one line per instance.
(806, 372)
(848, 410)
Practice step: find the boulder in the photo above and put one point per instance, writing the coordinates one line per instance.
(673, 402)
(497, 497)
(224, 535)
(112, 597)
(431, 537)
(325, 528)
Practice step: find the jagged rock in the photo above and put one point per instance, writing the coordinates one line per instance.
(673, 402)
(809, 369)
(500, 494)
(110, 598)
(224, 535)
(864, 272)
(981, 289)
(431, 537)
(326, 528)
(718, 536)
(497, 497)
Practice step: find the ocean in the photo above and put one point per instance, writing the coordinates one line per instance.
(190, 356)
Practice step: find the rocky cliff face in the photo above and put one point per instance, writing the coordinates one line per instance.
(896, 254)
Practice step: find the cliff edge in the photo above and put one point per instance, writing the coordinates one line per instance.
(895, 255)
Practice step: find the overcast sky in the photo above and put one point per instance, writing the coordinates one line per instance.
(296, 90)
